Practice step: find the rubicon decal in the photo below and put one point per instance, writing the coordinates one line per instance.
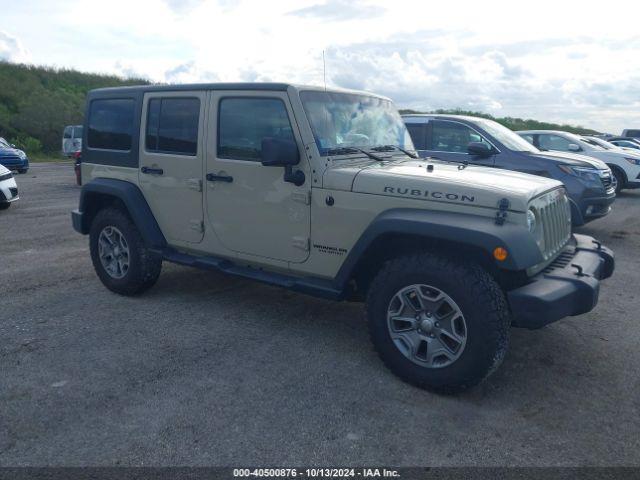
(416, 192)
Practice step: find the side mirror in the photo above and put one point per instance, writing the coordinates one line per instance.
(574, 148)
(479, 149)
(279, 153)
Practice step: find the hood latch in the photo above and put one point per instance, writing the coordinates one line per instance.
(501, 214)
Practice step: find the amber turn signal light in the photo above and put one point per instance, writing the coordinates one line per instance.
(500, 254)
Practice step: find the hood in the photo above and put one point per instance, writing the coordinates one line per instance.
(9, 151)
(4, 170)
(446, 182)
(574, 159)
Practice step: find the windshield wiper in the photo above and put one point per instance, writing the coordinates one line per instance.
(348, 150)
(390, 148)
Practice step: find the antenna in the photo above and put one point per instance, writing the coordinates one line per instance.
(324, 71)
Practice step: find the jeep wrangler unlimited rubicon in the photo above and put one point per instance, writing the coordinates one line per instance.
(320, 191)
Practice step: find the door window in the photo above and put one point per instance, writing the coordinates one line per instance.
(67, 132)
(244, 122)
(553, 142)
(453, 137)
(172, 125)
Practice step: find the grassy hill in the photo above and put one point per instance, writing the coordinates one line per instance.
(37, 102)
(515, 123)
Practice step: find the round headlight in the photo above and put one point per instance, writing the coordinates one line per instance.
(531, 220)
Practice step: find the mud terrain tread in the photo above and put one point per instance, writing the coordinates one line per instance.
(481, 291)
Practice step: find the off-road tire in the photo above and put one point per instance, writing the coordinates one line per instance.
(476, 293)
(5, 205)
(144, 265)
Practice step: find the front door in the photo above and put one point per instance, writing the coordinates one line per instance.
(250, 207)
(171, 165)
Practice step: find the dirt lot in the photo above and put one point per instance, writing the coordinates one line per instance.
(210, 370)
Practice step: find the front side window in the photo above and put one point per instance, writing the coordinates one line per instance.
(453, 137)
(111, 124)
(343, 120)
(244, 122)
(172, 125)
(554, 142)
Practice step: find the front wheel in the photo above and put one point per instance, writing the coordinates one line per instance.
(4, 206)
(120, 257)
(437, 323)
(618, 180)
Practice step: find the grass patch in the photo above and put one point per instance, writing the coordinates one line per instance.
(43, 158)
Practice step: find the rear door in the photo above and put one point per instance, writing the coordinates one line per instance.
(171, 161)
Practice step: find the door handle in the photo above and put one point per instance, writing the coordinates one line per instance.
(212, 177)
(152, 171)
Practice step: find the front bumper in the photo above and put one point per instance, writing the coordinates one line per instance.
(8, 191)
(568, 287)
(597, 206)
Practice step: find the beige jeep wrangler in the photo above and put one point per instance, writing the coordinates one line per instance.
(320, 191)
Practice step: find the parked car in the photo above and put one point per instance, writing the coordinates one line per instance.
(607, 145)
(625, 143)
(318, 190)
(485, 142)
(8, 188)
(625, 165)
(633, 133)
(71, 140)
(13, 158)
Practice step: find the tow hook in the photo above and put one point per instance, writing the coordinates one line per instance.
(579, 268)
(598, 244)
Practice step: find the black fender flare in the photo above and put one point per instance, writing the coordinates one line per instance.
(473, 230)
(133, 200)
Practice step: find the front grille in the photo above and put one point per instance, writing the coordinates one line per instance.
(554, 213)
(561, 261)
(6, 176)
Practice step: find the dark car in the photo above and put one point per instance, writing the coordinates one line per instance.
(13, 158)
(485, 142)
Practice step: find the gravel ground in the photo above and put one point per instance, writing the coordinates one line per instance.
(206, 369)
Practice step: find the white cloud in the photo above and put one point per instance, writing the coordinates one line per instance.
(11, 49)
(551, 62)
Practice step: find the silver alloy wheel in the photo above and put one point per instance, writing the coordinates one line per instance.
(427, 326)
(113, 252)
(614, 181)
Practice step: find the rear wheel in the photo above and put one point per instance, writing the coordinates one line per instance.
(437, 323)
(122, 261)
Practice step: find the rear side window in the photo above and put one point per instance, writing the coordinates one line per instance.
(111, 124)
(172, 125)
(418, 132)
(77, 132)
(67, 132)
(244, 122)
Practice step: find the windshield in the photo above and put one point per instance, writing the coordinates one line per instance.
(507, 137)
(342, 120)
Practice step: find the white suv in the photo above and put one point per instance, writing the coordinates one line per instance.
(8, 188)
(625, 165)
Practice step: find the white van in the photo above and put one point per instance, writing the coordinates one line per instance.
(71, 140)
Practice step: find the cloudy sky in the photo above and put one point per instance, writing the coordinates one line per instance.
(545, 59)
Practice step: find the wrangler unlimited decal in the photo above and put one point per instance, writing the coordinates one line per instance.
(416, 192)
